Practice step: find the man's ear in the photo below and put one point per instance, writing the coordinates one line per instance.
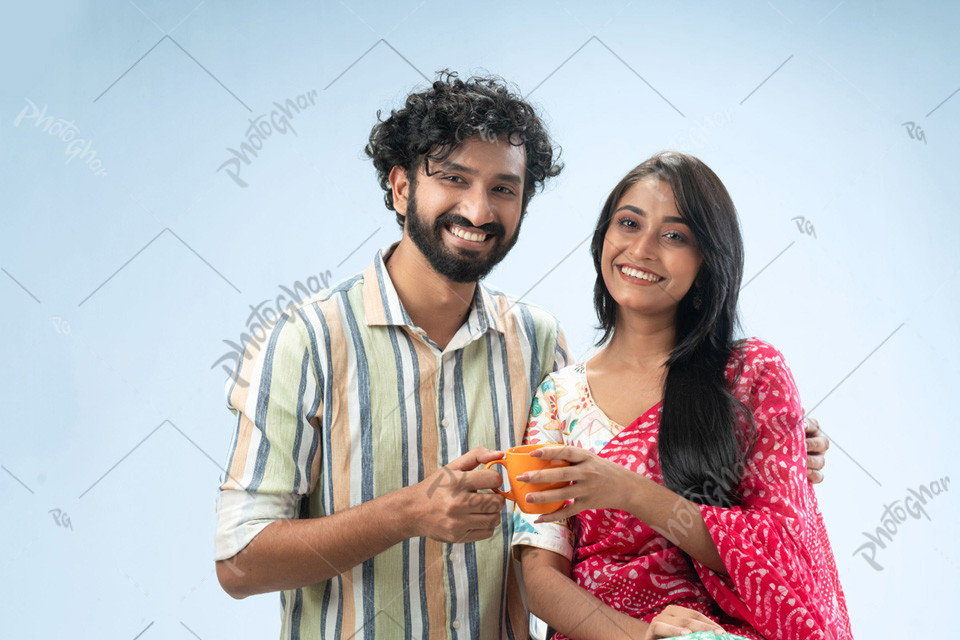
(400, 185)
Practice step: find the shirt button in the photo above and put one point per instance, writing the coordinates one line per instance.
(452, 557)
(456, 624)
(445, 423)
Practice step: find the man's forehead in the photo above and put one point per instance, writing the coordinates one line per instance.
(488, 156)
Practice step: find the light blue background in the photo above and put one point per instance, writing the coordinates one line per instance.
(119, 289)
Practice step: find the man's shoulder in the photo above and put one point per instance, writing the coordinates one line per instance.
(327, 299)
(515, 310)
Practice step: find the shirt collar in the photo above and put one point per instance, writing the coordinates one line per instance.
(382, 305)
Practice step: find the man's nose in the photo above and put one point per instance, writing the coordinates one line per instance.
(476, 207)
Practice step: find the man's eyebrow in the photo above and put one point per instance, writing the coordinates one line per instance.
(506, 177)
(641, 212)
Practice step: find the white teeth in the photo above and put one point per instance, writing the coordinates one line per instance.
(467, 235)
(642, 275)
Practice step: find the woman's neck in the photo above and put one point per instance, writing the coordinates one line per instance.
(641, 342)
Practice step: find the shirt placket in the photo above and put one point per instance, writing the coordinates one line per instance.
(450, 448)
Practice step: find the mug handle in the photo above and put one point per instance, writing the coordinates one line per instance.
(506, 494)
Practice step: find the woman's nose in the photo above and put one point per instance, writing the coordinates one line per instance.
(644, 246)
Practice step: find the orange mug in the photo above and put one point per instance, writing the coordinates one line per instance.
(518, 461)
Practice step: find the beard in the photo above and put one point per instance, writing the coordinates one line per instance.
(460, 265)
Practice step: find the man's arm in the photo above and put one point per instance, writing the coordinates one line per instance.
(445, 506)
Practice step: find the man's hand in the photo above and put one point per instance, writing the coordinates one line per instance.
(817, 445)
(446, 505)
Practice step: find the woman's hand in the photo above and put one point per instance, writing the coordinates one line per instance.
(596, 483)
(677, 621)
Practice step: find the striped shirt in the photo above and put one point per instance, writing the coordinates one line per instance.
(347, 400)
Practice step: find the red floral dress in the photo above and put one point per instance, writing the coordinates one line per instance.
(782, 579)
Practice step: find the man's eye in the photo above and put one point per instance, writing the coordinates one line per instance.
(456, 179)
(505, 190)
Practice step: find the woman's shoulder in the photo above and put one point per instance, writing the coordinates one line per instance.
(753, 359)
(754, 351)
(569, 372)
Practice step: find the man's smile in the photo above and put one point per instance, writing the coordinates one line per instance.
(471, 235)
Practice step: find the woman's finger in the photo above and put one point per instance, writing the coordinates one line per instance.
(560, 474)
(660, 629)
(560, 452)
(567, 511)
(552, 495)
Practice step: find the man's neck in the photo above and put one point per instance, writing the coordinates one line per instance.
(434, 303)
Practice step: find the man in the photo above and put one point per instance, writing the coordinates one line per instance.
(353, 484)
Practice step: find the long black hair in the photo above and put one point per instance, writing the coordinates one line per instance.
(702, 445)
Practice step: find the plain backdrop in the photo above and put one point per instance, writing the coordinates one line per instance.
(130, 257)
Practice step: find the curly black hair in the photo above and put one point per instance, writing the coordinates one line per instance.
(435, 122)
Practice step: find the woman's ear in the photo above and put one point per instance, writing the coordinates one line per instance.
(400, 185)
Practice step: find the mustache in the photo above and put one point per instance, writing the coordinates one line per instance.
(493, 228)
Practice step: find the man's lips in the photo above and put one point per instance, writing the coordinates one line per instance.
(639, 274)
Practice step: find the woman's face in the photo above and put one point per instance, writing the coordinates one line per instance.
(650, 258)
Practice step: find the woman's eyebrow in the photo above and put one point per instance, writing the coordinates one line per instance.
(636, 210)
(641, 212)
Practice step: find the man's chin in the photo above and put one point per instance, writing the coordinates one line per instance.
(459, 270)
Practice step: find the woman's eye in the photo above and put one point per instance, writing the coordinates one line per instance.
(627, 222)
(675, 236)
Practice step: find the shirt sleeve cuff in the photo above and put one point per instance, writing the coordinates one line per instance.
(552, 536)
(241, 515)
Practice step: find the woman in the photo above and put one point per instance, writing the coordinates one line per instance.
(697, 515)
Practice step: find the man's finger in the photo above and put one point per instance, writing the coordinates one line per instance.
(482, 479)
(811, 426)
(475, 535)
(818, 445)
(814, 476)
(483, 504)
(816, 462)
(473, 458)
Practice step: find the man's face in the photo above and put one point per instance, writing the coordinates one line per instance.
(464, 213)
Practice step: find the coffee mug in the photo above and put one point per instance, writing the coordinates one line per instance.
(518, 461)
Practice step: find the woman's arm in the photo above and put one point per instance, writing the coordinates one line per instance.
(556, 599)
(601, 484)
